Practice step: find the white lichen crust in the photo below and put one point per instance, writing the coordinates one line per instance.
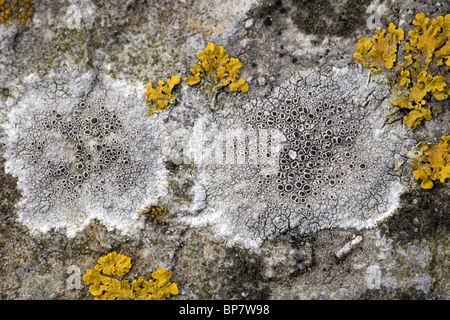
(333, 168)
(313, 155)
(80, 149)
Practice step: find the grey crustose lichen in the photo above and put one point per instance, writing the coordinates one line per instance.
(76, 147)
(333, 166)
(90, 151)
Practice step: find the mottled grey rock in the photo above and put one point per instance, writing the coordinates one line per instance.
(269, 193)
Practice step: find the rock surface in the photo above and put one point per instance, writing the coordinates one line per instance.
(298, 189)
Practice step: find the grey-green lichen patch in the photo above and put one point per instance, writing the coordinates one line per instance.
(45, 43)
(327, 18)
(73, 49)
(158, 37)
(420, 269)
(422, 215)
(419, 228)
(180, 189)
(241, 270)
(284, 260)
(269, 42)
(5, 93)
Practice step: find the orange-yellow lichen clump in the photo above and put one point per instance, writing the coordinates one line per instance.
(432, 163)
(429, 41)
(381, 50)
(218, 68)
(15, 10)
(156, 215)
(415, 99)
(422, 73)
(158, 289)
(162, 96)
(107, 288)
(114, 264)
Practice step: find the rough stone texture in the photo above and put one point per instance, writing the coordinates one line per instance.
(72, 189)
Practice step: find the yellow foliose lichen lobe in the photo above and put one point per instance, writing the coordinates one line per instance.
(417, 95)
(197, 72)
(405, 78)
(381, 50)
(240, 85)
(158, 289)
(416, 116)
(364, 46)
(218, 68)
(428, 37)
(107, 288)
(422, 74)
(161, 96)
(162, 284)
(428, 46)
(428, 83)
(432, 163)
(114, 264)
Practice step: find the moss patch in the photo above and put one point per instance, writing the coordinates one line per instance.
(324, 17)
(423, 214)
(5, 94)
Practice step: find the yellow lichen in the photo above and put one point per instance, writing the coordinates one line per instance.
(161, 96)
(427, 38)
(381, 50)
(417, 95)
(156, 215)
(421, 75)
(15, 10)
(416, 116)
(107, 288)
(218, 68)
(114, 264)
(428, 46)
(159, 289)
(432, 163)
